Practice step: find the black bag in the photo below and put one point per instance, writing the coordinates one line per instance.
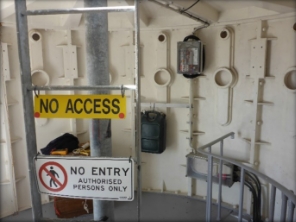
(65, 141)
(153, 132)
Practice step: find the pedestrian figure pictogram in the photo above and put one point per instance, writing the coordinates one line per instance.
(57, 182)
(52, 174)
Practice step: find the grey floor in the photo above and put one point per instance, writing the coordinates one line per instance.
(155, 207)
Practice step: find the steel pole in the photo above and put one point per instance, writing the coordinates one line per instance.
(25, 71)
(138, 110)
(97, 67)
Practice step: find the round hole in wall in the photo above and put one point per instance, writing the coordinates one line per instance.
(40, 78)
(223, 34)
(36, 37)
(290, 80)
(161, 38)
(294, 26)
(162, 77)
(225, 78)
(222, 78)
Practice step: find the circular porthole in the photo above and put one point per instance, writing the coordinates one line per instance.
(225, 33)
(40, 78)
(162, 77)
(224, 78)
(161, 37)
(290, 80)
(35, 36)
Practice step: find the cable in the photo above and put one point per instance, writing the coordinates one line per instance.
(258, 184)
(255, 199)
(184, 10)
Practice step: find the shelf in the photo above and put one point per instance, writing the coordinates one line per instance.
(195, 98)
(12, 102)
(262, 103)
(258, 142)
(15, 139)
(5, 182)
(265, 77)
(81, 132)
(128, 130)
(165, 105)
(194, 133)
(19, 179)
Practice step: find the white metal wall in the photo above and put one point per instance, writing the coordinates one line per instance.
(166, 172)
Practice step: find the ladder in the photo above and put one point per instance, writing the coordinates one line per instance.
(27, 88)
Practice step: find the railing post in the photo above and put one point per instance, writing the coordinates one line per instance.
(26, 82)
(220, 182)
(284, 208)
(241, 195)
(291, 211)
(209, 186)
(271, 204)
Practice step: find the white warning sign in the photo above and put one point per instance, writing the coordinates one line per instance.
(87, 177)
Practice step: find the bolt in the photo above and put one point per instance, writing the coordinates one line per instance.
(256, 163)
(259, 123)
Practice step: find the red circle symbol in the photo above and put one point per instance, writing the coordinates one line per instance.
(60, 185)
(121, 115)
(37, 115)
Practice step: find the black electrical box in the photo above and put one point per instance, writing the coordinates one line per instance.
(153, 127)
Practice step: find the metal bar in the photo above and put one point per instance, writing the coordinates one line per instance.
(81, 10)
(220, 183)
(241, 195)
(168, 105)
(271, 204)
(217, 140)
(91, 87)
(97, 66)
(284, 208)
(209, 187)
(279, 186)
(291, 211)
(138, 110)
(26, 82)
(187, 14)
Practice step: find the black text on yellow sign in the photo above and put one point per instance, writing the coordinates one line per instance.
(80, 106)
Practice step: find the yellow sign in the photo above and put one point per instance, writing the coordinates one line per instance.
(80, 106)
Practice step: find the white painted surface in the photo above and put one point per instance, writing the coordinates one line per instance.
(166, 172)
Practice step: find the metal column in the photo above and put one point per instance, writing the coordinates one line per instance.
(138, 110)
(97, 67)
(26, 82)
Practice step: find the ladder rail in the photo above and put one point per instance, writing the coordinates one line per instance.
(26, 80)
(80, 10)
(27, 98)
(67, 88)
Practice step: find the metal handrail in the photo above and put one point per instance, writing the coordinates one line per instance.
(81, 10)
(287, 195)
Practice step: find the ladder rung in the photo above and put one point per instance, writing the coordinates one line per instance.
(81, 10)
(67, 88)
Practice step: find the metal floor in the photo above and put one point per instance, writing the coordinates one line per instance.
(155, 207)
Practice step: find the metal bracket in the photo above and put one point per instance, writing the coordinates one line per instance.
(122, 91)
(36, 92)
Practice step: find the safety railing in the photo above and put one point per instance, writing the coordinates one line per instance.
(288, 197)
